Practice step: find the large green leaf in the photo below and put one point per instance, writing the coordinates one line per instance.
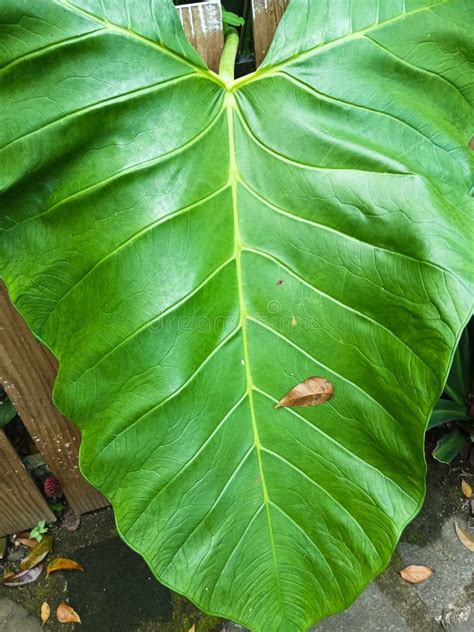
(192, 249)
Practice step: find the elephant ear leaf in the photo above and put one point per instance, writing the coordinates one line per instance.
(191, 248)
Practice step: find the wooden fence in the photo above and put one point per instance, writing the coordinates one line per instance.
(28, 370)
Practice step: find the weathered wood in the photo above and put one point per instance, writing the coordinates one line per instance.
(202, 23)
(21, 504)
(27, 372)
(266, 16)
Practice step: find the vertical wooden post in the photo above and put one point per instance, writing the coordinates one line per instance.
(202, 23)
(266, 16)
(21, 503)
(27, 373)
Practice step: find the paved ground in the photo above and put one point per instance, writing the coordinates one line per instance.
(118, 594)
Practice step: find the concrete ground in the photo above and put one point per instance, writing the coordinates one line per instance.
(118, 594)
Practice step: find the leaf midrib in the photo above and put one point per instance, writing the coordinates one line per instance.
(230, 106)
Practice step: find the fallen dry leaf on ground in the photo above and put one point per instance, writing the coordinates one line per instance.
(66, 614)
(29, 542)
(62, 564)
(416, 574)
(23, 577)
(465, 538)
(466, 489)
(3, 546)
(71, 520)
(38, 553)
(312, 392)
(45, 612)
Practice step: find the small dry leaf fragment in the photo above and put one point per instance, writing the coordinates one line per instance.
(71, 520)
(29, 542)
(192, 628)
(66, 614)
(465, 538)
(312, 392)
(23, 577)
(45, 612)
(466, 489)
(63, 564)
(38, 553)
(416, 574)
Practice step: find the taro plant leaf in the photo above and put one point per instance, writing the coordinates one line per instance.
(446, 410)
(150, 208)
(458, 384)
(449, 446)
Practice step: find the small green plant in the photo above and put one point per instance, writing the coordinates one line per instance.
(56, 507)
(7, 412)
(39, 531)
(454, 409)
(231, 19)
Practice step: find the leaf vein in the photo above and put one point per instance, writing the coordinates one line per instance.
(355, 311)
(260, 323)
(39, 52)
(100, 105)
(159, 317)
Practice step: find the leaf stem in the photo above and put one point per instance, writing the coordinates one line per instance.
(229, 54)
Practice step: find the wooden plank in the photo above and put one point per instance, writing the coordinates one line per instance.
(21, 504)
(202, 23)
(266, 17)
(27, 372)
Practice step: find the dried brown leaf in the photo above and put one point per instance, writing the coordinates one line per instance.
(38, 553)
(66, 614)
(466, 489)
(312, 392)
(63, 564)
(465, 538)
(23, 577)
(71, 520)
(45, 612)
(416, 574)
(29, 542)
